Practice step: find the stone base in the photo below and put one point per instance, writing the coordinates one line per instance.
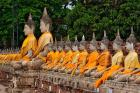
(43, 80)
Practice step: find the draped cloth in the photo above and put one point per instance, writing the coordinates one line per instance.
(58, 58)
(82, 59)
(117, 60)
(91, 62)
(30, 43)
(103, 61)
(131, 61)
(44, 39)
(67, 59)
(73, 60)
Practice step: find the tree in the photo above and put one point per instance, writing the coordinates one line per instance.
(84, 17)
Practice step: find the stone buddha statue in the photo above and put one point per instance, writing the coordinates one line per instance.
(92, 57)
(117, 62)
(131, 61)
(82, 57)
(69, 66)
(104, 59)
(46, 37)
(60, 49)
(28, 46)
(68, 56)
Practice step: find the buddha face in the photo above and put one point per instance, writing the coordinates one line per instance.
(54, 47)
(81, 47)
(115, 46)
(49, 48)
(60, 48)
(27, 30)
(103, 46)
(129, 46)
(74, 48)
(44, 27)
(91, 47)
(67, 48)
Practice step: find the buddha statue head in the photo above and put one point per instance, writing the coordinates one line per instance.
(93, 43)
(45, 22)
(67, 44)
(29, 26)
(131, 40)
(49, 47)
(104, 42)
(117, 43)
(60, 45)
(83, 43)
(75, 44)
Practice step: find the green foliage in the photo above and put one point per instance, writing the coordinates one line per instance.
(83, 18)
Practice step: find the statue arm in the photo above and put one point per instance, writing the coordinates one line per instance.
(84, 61)
(28, 56)
(106, 69)
(42, 55)
(117, 71)
(30, 53)
(75, 60)
(136, 71)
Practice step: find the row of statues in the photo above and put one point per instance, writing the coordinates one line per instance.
(90, 59)
(31, 47)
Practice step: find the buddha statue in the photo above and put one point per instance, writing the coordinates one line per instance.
(46, 37)
(61, 55)
(131, 61)
(82, 60)
(68, 55)
(28, 46)
(54, 57)
(117, 61)
(91, 58)
(48, 59)
(104, 59)
(74, 59)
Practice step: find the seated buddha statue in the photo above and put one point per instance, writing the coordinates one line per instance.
(69, 66)
(81, 59)
(117, 61)
(55, 57)
(68, 55)
(91, 58)
(28, 46)
(48, 59)
(46, 37)
(61, 55)
(104, 59)
(131, 62)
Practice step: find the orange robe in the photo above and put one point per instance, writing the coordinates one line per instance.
(91, 62)
(80, 62)
(49, 57)
(54, 60)
(44, 39)
(30, 43)
(117, 60)
(58, 59)
(73, 60)
(103, 61)
(67, 58)
(131, 61)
